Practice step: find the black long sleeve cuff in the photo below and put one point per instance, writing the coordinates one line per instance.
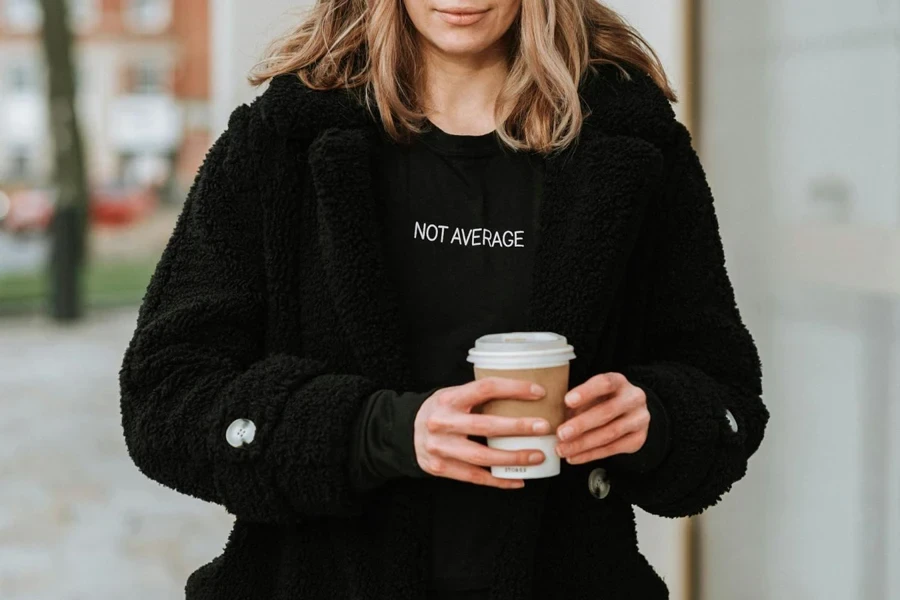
(384, 447)
(655, 448)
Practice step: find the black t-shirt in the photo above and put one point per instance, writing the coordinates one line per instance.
(460, 218)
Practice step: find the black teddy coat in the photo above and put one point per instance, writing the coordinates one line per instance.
(271, 303)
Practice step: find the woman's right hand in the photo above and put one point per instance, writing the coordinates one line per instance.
(445, 421)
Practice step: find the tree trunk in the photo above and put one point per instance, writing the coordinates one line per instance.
(69, 225)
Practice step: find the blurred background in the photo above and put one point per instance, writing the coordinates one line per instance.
(795, 108)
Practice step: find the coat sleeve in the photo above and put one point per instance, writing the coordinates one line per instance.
(197, 364)
(702, 362)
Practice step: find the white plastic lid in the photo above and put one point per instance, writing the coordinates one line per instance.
(520, 350)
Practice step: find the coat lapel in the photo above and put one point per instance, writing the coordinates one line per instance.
(366, 304)
(594, 200)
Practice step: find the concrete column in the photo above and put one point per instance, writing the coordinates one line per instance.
(241, 31)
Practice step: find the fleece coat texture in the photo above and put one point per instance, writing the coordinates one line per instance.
(271, 303)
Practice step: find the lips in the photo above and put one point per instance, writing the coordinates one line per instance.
(462, 16)
(462, 10)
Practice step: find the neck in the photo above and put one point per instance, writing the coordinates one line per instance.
(461, 91)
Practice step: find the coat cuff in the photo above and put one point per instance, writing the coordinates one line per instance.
(285, 468)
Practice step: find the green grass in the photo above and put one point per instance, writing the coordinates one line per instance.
(104, 283)
(21, 287)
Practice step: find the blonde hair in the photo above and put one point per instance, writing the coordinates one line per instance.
(370, 46)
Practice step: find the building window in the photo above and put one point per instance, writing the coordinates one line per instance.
(84, 14)
(20, 164)
(148, 77)
(21, 78)
(149, 15)
(22, 15)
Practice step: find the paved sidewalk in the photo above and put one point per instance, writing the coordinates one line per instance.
(77, 520)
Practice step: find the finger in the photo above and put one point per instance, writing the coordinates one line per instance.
(601, 414)
(460, 471)
(478, 392)
(487, 425)
(571, 413)
(594, 388)
(603, 436)
(460, 448)
(629, 444)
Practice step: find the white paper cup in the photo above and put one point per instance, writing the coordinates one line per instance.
(539, 357)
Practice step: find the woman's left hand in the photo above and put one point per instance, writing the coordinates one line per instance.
(607, 416)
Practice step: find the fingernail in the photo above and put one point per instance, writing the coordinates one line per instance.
(535, 458)
(541, 427)
(519, 485)
(565, 433)
(573, 398)
(560, 451)
(537, 390)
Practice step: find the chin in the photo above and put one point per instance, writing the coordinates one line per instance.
(461, 44)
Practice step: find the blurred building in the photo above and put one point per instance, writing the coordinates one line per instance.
(143, 77)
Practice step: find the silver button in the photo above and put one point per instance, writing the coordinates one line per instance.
(598, 484)
(241, 432)
(732, 422)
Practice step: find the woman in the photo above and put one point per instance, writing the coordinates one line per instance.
(418, 174)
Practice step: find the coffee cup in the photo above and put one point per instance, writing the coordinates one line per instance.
(538, 357)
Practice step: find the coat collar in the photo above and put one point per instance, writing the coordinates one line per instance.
(617, 102)
(595, 195)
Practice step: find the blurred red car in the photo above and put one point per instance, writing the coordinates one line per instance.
(114, 206)
(31, 210)
(27, 210)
